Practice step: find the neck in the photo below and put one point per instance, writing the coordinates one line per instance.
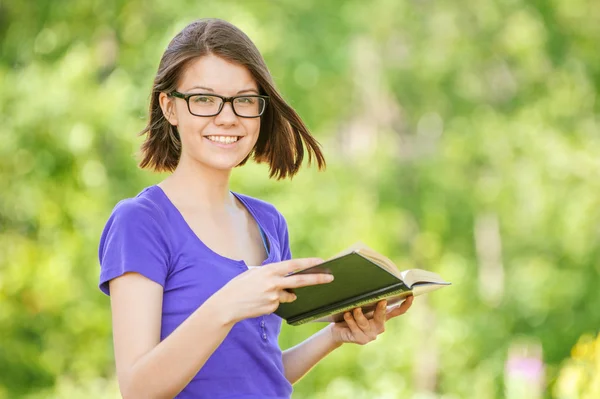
(195, 185)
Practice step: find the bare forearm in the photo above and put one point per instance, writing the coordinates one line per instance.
(171, 365)
(297, 361)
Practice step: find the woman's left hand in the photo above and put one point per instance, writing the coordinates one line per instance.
(357, 329)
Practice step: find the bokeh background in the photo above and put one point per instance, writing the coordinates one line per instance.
(461, 137)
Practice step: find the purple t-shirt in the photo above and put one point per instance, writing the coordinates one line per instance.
(148, 235)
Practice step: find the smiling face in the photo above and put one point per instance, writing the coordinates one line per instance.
(218, 142)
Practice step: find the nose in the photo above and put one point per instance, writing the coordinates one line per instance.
(226, 116)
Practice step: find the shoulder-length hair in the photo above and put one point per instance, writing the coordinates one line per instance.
(282, 136)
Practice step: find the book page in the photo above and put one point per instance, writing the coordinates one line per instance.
(410, 276)
(421, 289)
(392, 302)
(414, 276)
(368, 310)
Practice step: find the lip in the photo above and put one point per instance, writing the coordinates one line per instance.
(223, 135)
(223, 145)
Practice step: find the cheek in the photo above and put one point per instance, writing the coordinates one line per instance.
(252, 127)
(179, 113)
(190, 125)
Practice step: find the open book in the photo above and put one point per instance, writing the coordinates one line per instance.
(363, 277)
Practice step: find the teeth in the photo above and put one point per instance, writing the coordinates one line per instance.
(223, 139)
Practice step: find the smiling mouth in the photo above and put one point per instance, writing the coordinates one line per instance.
(223, 139)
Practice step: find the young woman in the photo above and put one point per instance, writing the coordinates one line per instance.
(192, 317)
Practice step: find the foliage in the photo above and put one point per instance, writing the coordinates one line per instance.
(579, 377)
(459, 138)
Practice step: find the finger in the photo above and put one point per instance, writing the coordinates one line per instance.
(286, 297)
(342, 324)
(361, 321)
(357, 334)
(400, 310)
(379, 316)
(304, 280)
(294, 265)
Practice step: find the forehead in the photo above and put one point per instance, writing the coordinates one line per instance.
(218, 74)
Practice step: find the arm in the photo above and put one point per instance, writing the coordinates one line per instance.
(134, 253)
(146, 367)
(297, 361)
(355, 328)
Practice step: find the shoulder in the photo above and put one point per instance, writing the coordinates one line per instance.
(263, 207)
(135, 239)
(267, 213)
(143, 209)
(136, 223)
(133, 218)
(273, 221)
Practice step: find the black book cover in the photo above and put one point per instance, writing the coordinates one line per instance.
(354, 277)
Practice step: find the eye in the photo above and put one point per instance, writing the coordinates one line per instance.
(246, 100)
(203, 99)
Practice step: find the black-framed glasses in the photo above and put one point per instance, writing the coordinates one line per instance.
(245, 106)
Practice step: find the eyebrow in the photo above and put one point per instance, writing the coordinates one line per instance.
(211, 90)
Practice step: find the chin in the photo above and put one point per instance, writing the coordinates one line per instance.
(219, 159)
(221, 164)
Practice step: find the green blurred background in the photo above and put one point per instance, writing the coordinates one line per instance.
(462, 137)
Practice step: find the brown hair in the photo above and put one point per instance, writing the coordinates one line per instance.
(282, 136)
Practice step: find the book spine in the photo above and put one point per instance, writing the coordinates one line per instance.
(352, 306)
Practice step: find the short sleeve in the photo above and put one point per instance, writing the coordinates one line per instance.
(286, 252)
(133, 241)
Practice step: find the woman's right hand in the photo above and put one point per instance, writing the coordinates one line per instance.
(260, 290)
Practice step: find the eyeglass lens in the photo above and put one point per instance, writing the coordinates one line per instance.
(205, 105)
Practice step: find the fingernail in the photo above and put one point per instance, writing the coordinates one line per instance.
(330, 277)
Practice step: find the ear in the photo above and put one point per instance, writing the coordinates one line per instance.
(167, 105)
